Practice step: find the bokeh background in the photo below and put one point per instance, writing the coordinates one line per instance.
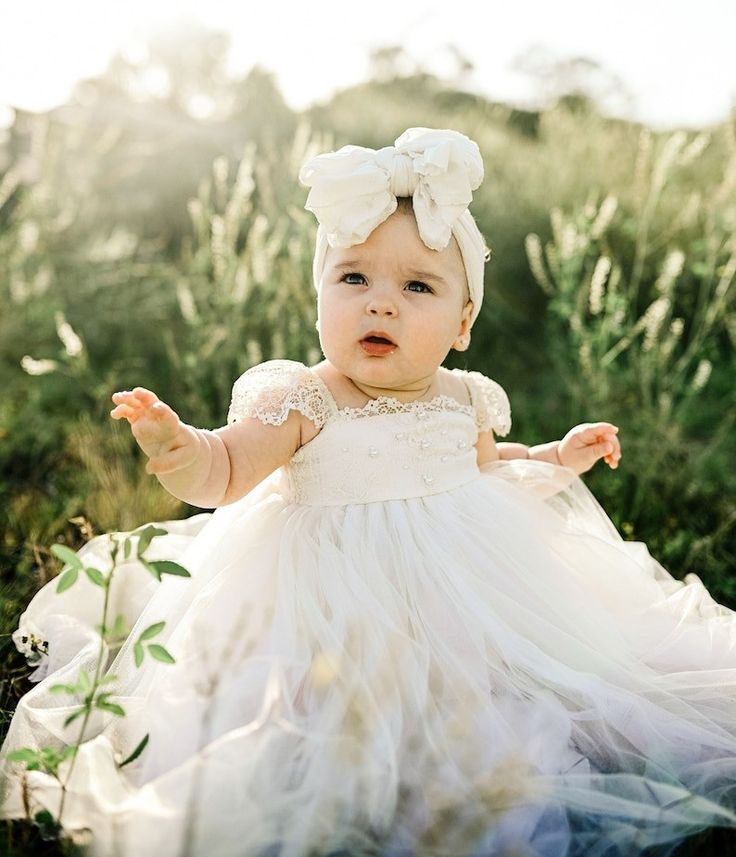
(152, 232)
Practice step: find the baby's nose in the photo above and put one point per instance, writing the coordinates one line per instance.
(382, 309)
(381, 304)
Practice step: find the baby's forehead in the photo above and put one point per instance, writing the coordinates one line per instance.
(411, 259)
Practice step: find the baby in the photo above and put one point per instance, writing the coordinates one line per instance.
(390, 309)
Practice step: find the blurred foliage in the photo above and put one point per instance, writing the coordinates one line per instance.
(142, 242)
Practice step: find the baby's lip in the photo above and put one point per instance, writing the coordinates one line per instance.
(378, 334)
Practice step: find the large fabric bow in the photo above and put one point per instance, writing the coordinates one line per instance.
(354, 189)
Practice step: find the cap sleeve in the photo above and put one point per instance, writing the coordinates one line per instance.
(270, 390)
(490, 403)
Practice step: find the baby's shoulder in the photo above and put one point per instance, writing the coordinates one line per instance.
(270, 390)
(488, 399)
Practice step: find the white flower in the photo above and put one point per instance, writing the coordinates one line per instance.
(652, 321)
(671, 270)
(536, 261)
(71, 342)
(702, 373)
(605, 215)
(38, 367)
(598, 283)
(29, 641)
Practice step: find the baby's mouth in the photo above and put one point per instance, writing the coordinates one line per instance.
(377, 345)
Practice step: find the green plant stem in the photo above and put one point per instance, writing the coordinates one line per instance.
(91, 694)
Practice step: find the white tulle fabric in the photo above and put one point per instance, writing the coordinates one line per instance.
(465, 671)
(356, 188)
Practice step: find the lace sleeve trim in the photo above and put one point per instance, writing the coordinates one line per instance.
(490, 402)
(270, 390)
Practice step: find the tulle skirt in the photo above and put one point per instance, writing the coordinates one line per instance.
(485, 671)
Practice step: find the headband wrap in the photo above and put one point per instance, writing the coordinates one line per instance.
(355, 189)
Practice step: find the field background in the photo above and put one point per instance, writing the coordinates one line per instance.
(139, 245)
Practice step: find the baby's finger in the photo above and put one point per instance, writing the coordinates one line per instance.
(613, 458)
(160, 411)
(592, 430)
(146, 396)
(125, 412)
(602, 449)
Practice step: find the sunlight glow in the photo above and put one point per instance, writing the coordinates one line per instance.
(45, 48)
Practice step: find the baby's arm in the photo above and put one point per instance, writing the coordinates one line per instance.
(579, 449)
(205, 468)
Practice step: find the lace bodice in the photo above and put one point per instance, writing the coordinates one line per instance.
(386, 450)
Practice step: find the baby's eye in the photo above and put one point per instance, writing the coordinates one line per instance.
(345, 276)
(424, 286)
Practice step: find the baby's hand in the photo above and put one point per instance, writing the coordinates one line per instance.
(584, 444)
(169, 443)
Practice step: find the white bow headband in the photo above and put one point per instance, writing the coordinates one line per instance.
(354, 190)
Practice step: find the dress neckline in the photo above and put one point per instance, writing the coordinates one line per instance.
(390, 404)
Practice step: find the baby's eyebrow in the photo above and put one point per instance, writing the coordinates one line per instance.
(426, 275)
(353, 263)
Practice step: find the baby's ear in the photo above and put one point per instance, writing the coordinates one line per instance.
(462, 342)
(463, 339)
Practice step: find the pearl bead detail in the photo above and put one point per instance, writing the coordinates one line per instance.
(444, 458)
(461, 444)
(424, 443)
(372, 451)
(428, 478)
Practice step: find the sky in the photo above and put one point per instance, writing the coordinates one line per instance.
(674, 60)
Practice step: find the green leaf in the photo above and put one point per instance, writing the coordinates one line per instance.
(152, 568)
(67, 556)
(161, 654)
(24, 755)
(85, 682)
(74, 716)
(152, 631)
(118, 630)
(63, 688)
(69, 750)
(147, 534)
(96, 576)
(69, 578)
(138, 750)
(107, 679)
(119, 627)
(126, 548)
(113, 707)
(166, 566)
(138, 653)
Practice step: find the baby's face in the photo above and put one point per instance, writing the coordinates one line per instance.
(392, 285)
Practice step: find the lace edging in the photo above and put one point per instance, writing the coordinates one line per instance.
(491, 404)
(270, 390)
(391, 405)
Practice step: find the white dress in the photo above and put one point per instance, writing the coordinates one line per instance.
(384, 650)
